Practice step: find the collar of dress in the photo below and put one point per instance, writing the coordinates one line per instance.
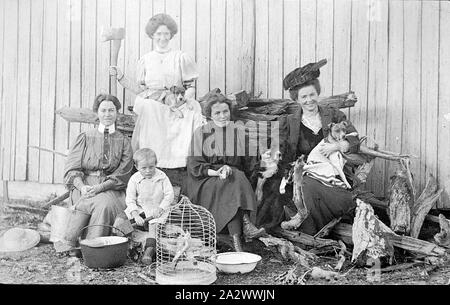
(156, 177)
(111, 128)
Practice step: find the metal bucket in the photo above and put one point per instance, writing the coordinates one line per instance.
(66, 225)
(105, 251)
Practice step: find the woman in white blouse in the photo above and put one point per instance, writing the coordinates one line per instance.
(157, 126)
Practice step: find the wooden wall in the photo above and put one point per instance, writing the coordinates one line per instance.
(394, 54)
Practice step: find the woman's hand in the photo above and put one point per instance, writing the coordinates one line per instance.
(327, 149)
(85, 190)
(114, 70)
(224, 172)
(90, 191)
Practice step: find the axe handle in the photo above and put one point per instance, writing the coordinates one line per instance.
(114, 56)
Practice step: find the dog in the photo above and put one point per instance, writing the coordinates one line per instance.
(269, 161)
(332, 166)
(174, 98)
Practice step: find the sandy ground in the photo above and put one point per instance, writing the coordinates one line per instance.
(42, 265)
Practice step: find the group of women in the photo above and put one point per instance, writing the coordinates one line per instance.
(218, 176)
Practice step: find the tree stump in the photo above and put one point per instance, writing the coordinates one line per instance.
(443, 238)
(370, 236)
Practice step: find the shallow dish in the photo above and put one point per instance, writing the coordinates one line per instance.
(237, 262)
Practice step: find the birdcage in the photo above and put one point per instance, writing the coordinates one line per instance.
(186, 246)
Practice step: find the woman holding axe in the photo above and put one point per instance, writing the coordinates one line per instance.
(157, 127)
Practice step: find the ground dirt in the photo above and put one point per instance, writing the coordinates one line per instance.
(42, 265)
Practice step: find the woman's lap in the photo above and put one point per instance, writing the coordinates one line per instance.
(223, 197)
(324, 204)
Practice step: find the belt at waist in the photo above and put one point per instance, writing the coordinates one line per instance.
(94, 173)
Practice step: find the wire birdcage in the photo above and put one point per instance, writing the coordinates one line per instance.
(186, 246)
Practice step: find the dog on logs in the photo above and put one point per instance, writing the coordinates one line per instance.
(328, 168)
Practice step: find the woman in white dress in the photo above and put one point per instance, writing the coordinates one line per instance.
(158, 127)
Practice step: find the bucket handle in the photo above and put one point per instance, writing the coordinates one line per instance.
(82, 229)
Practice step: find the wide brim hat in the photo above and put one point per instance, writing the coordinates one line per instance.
(18, 239)
(303, 75)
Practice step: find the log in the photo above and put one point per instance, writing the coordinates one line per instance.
(343, 232)
(370, 198)
(289, 251)
(125, 122)
(27, 208)
(406, 212)
(305, 240)
(56, 200)
(443, 237)
(423, 205)
(400, 202)
(370, 236)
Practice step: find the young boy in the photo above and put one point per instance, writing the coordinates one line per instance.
(149, 194)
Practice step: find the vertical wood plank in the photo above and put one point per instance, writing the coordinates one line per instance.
(2, 103)
(131, 47)
(62, 86)
(430, 90)
(276, 48)
(146, 12)
(341, 40)
(444, 105)
(233, 45)
(188, 26)
(173, 9)
(324, 47)
(37, 16)
(359, 64)
(378, 57)
(248, 45)
(75, 64)
(118, 15)
(412, 69)
(261, 48)
(88, 63)
(217, 64)
(103, 48)
(48, 90)
(394, 117)
(9, 86)
(23, 90)
(308, 31)
(203, 44)
(159, 6)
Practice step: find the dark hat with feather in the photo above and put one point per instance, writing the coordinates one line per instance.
(302, 75)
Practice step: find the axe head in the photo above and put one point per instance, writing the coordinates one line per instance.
(113, 34)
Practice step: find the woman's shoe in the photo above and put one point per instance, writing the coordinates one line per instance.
(249, 229)
(237, 245)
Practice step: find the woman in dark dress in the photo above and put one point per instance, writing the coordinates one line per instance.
(299, 133)
(218, 166)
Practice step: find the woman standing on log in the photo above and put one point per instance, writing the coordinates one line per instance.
(158, 127)
(98, 167)
(218, 167)
(299, 133)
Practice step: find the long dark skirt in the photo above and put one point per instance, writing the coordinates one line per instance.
(324, 203)
(222, 197)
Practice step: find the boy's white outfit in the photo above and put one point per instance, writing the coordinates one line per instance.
(148, 194)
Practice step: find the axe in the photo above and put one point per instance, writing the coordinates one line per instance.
(116, 35)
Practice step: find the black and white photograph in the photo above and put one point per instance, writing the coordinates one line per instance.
(240, 145)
